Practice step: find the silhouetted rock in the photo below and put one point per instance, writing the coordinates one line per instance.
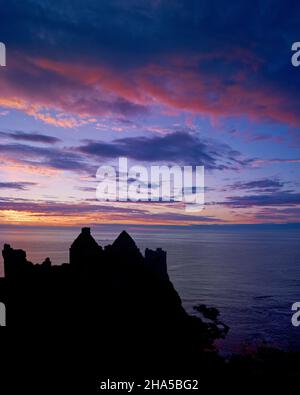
(119, 306)
(47, 262)
(113, 312)
(99, 290)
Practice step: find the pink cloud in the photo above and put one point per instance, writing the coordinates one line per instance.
(81, 91)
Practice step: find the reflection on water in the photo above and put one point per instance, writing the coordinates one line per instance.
(251, 275)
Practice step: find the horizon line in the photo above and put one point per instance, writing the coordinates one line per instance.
(264, 224)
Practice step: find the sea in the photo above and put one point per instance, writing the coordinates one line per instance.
(251, 274)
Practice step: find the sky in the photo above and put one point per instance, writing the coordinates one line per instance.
(170, 82)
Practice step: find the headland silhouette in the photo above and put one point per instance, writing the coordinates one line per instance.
(113, 311)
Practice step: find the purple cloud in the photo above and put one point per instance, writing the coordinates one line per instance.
(285, 198)
(16, 185)
(179, 147)
(30, 137)
(263, 185)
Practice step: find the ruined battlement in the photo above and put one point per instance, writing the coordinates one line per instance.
(87, 255)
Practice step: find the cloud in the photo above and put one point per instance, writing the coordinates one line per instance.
(16, 185)
(65, 95)
(273, 199)
(81, 210)
(116, 58)
(62, 208)
(185, 218)
(180, 148)
(87, 189)
(263, 185)
(259, 162)
(253, 136)
(54, 158)
(289, 214)
(30, 137)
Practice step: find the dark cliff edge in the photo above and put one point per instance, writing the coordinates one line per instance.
(113, 312)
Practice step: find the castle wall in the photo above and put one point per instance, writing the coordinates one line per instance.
(157, 261)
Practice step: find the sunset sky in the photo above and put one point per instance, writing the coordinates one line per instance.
(176, 82)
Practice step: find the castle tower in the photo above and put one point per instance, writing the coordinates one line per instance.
(124, 247)
(84, 249)
(15, 262)
(157, 261)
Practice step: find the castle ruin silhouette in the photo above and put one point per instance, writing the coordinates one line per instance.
(111, 302)
(111, 312)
